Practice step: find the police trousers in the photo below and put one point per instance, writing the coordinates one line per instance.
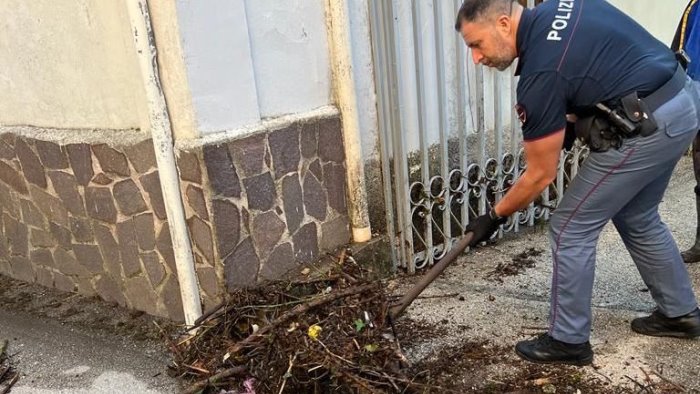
(624, 185)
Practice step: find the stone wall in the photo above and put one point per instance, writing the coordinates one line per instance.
(88, 218)
(262, 204)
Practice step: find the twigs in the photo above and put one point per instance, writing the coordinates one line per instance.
(296, 311)
(210, 312)
(289, 372)
(450, 295)
(6, 370)
(327, 332)
(643, 388)
(264, 332)
(603, 376)
(10, 384)
(3, 371)
(651, 385)
(335, 355)
(236, 371)
(362, 383)
(313, 281)
(665, 379)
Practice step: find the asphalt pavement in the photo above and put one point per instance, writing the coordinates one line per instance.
(54, 358)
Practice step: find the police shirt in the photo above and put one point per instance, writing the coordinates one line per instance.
(573, 54)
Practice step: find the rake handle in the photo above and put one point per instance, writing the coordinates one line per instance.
(430, 276)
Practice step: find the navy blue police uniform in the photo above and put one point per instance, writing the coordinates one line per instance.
(574, 55)
(570, 60)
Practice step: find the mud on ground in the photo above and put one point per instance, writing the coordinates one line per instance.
(81, 311)
(454, 358)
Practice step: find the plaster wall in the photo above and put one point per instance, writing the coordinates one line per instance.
(251, 60)
(659, 17)
(290, 54)
(216, 50)
(68, 64)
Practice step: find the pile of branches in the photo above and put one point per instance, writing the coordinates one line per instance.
(322, 333)
(8, 375)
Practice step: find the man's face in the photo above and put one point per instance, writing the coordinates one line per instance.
(491, 42)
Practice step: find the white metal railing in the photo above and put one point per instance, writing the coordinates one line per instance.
(444, 161)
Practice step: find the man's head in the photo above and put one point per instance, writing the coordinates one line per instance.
(489, 28)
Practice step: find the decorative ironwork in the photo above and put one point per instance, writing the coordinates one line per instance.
(478, 186)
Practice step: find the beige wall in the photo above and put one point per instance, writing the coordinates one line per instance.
(68, 64)
(659, 17)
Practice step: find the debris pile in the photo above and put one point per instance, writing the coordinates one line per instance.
(8, 375)
(323, 333)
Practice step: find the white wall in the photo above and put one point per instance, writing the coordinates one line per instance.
(216, 49)
(290, 55)
(659, 17)
(248, 60)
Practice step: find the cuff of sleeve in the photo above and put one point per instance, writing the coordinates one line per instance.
(498, 219)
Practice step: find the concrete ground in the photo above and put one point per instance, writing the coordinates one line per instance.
(518, 308)
(54, 358)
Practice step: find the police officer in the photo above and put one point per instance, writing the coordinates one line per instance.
(637, 111)
(687, 42)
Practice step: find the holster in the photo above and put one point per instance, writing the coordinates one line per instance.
(594, 131)
(637, 111)
(606, 128)
(603, 128)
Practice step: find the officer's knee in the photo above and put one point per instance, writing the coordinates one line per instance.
(697, 190)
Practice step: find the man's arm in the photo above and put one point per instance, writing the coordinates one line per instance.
(542, 158)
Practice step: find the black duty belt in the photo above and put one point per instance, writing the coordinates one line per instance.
(631, 116)
(667, 91)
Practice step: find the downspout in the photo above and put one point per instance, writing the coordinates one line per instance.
(161, 133)
(347, 75)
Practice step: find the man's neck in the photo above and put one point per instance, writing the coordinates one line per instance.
(516, 15)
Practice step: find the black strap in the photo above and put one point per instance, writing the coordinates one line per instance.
(667, 91)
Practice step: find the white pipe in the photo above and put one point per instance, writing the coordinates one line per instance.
(351, 76)
(161, 133)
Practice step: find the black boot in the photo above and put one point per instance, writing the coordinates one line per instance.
(658, 325)
(692, 255)
(546, 350)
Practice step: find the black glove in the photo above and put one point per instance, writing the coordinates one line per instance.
(483, 227)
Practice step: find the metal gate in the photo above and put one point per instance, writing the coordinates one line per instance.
(449, 135)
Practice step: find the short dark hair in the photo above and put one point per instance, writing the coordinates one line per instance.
(472, 10)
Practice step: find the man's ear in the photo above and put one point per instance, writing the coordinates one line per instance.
(504, 23)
